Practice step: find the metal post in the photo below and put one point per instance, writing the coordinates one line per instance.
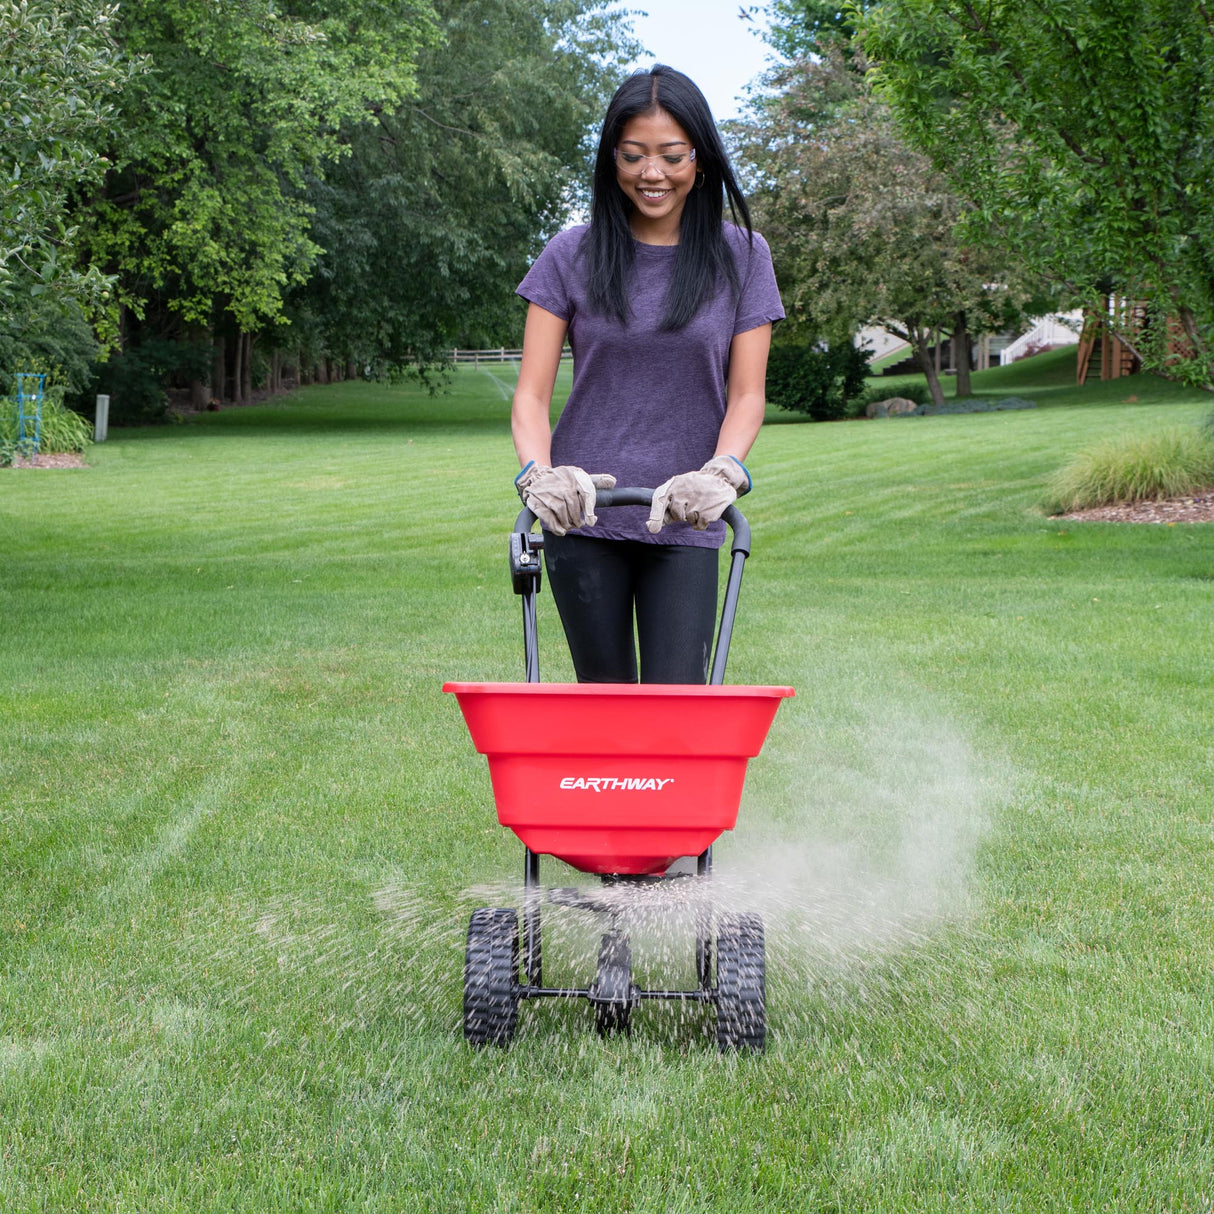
(101, 420)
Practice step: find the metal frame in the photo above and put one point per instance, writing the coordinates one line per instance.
(610, 990)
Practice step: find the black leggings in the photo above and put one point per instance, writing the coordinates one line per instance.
(597, 584)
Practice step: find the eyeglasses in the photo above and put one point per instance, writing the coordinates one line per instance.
(635, 164)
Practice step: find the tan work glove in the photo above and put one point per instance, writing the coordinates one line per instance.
(699, 498)
(561, 498)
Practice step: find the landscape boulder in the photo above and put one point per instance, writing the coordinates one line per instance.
(895, 406)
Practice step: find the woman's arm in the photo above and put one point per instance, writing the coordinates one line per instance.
(530, 422)
(746, 395)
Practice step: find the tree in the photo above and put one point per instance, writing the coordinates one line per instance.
(431, 221)
(863, 231)
(1080, 133)
(60, 72)
(203, 214)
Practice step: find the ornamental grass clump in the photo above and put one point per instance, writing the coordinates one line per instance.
(1135, 468)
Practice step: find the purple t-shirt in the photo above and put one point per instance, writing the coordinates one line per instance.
(646, 404)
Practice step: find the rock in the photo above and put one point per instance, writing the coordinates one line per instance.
(896, 406)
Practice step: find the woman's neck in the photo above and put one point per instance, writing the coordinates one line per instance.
(664, 231)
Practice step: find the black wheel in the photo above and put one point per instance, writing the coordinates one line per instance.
(741, 984)
(610, 1019)
(612, 991)
(491, 977)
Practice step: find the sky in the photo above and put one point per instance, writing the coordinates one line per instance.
(707, 39)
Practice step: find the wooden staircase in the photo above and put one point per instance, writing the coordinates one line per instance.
(1116, 358)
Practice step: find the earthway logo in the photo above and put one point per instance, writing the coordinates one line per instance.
(615, 784)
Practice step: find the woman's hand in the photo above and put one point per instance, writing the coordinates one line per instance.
(562, 498)
(699, 498)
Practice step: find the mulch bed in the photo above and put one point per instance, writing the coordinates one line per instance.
(1199, 509)
(59, 459)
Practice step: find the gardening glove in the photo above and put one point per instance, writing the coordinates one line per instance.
(561, 498)
(699, 498)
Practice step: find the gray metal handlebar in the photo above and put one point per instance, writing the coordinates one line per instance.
(644, 497)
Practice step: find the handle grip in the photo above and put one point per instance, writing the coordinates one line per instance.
(644, 497)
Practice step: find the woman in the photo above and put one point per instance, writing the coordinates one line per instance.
(668, 311)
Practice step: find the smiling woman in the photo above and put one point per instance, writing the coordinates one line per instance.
(668, 310)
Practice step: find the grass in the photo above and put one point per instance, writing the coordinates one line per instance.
(1049, 379)
(243, 830)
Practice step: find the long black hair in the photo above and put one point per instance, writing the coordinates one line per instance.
(703, 256)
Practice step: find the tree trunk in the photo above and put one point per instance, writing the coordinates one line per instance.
(351, 369)
(219, 369)
(927, 360)
(246, 371)
(237, 369)
(961, 354)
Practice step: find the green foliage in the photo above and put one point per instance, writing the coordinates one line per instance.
(819, 380)
(48, 331)
(1079, 132)
(801, 29)
(203, 212)
(974, 404)
(60, 74)
(135, 379)
(431, 222)
(863, 230)
(1135, 468)
(60, 430)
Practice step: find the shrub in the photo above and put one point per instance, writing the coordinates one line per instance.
(43, 333)
(975, 404)
(818, 380)
(136, 379)
(1132, 468)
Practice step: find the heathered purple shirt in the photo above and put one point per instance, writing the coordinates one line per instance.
(647, 405)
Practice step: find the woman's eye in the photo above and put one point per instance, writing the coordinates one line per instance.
(675, 160)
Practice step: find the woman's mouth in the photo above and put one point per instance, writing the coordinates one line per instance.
(653, 195)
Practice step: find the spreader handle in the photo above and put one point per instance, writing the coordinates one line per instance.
(528, 553)
(644, 497)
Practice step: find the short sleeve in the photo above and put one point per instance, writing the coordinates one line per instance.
(546, 283)
(759, 299)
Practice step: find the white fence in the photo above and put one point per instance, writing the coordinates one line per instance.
(500, 355)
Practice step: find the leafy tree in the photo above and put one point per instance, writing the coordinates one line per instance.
(863, 230)
(803, 28)
(432, 220)
(204, 214)
(1080, 132)
(59, 74)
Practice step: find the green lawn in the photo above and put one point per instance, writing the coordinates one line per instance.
(1049, 379)
(243, 830)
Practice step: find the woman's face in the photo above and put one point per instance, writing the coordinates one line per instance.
(655, 167)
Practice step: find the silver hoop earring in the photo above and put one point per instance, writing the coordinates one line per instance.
(700, 180)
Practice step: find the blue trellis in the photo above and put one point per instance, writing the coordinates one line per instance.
(30, 389)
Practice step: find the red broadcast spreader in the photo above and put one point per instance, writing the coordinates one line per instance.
(617, 778)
